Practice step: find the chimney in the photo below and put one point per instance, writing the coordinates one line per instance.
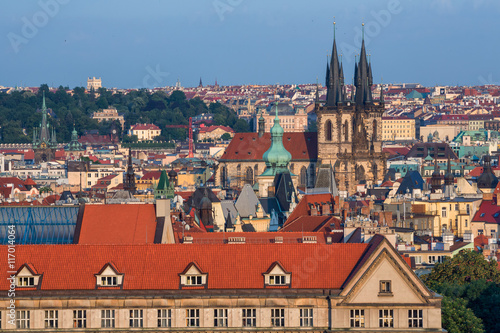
(326, 208)
(314, 210)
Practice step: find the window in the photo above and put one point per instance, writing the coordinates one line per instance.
(108, 281)
(418, 260)
(194, 280)
(51, 318)
(277, 279)
(136, 318)
(193, 317)
(385, 287)
(306, 317)
(26, 281)
(164, 318)
(443, 212)
(386, 318)
(220, 317)
(357, 318)
(249, 317)
(415, 318)
(79, 318)
(108, 318)
(456, 206)
(468, 209)
(278, 317)
(23, 319)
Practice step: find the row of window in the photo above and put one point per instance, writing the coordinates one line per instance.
(164, 319)
(386, 318)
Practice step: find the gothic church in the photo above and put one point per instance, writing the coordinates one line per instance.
(349, 127)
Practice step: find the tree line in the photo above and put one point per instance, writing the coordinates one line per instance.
(20, 112)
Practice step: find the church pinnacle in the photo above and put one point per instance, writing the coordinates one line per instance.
(276, 157)
(363, 77)
(335, 77)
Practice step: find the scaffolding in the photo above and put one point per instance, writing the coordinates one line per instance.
(39, 225)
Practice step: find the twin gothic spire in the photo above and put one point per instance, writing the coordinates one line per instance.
(363, 79)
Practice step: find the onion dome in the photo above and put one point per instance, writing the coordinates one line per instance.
(276, 157)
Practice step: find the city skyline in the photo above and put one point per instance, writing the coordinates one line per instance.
(241, 42)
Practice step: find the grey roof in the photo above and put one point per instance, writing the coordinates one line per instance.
(228, 205)
(122, 196)
(326, 180)
(412, 180)
(247, 202)
(284, 191)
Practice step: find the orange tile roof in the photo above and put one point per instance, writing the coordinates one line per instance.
(118, 224)
(156, 266)
(248, 146)
(303, 205)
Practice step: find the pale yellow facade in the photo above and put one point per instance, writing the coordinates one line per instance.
(109, 115)
(398, 129)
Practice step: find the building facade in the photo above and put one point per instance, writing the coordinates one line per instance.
(145, 132)
(398, 128)
(177, 287)
(110, 114)
(93, 83)
(350, 129)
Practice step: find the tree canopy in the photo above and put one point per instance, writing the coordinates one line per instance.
(19, 112)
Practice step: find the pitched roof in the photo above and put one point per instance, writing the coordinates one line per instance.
(488, 212)
(214, 127)
(312, 224)
(248, 146)
(303, 207)
(118, 224)
(156, 266)
(138, 127)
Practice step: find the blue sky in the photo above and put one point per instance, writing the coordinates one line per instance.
(133, 44)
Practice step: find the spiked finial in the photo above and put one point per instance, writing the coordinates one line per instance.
(334, 27)
(363, 30)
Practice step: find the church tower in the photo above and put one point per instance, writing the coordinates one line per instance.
(44, 139)
(349, 129)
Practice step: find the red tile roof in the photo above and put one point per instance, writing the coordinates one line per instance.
(312, 223)
(138, 127)
(303, 209)
(151, 175)
(118, 224)
(488, 212)
(248, 146)
(480, 241)
(157, 266)
(252, 237)
(213, 128)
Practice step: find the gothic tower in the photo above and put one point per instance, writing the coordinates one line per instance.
(44, 139)
(349, 130)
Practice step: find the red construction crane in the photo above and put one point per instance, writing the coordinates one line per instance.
(190, 131)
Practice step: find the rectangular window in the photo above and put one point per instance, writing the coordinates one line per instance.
(443, 212)
(23, 319)
(26, 281)
(193, 317)
(108, 318)
(79, 318)
(278, 317)
(249, 317)
(306, 317)
(136, 318)
(108, 281)
(193, 280)
(220, 317)
(385, 318)
(51, 318)
(277, 280)
(357, 318)
(385, 287)
(164, 317)
(415, 318)
(418, 260)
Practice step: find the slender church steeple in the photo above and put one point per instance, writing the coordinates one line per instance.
(364, 80)
(335, 78)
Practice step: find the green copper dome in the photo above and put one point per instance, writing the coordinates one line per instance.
(276, 157)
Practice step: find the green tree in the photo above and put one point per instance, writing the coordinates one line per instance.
(457, 318)
(241, 126)
(464, 267)
(226, 136)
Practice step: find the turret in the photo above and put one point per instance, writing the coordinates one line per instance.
(364, 80)
(335, 82)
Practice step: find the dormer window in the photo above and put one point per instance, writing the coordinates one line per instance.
(109, 276)
(276, 275)
(193, 276)
(27, 277)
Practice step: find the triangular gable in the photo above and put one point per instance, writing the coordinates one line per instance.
(384, 264)
(192, 269)
(276, 268)
(108, 269)
(27, 270)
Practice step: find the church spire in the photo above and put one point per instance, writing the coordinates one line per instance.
(327, 79)
(334, 91)
(364, 77)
